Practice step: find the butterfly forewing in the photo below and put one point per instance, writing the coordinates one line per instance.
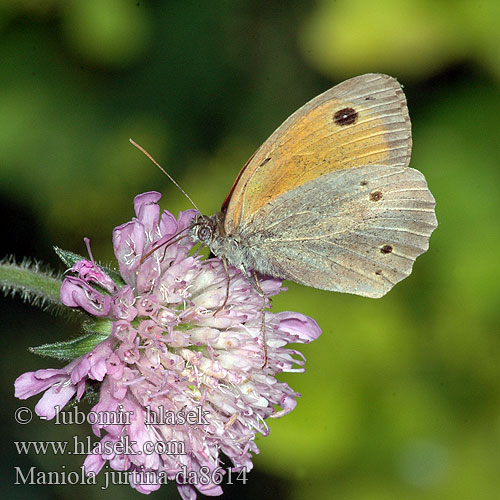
(363, 121)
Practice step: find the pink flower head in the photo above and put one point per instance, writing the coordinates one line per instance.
(192, 382)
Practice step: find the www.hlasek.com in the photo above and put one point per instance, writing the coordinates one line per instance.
(125, 446)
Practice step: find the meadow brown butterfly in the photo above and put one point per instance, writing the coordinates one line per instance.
(328, 200)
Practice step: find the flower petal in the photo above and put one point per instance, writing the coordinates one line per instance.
(304, 327)
(147, 209)
(55, 399)
(77, 293)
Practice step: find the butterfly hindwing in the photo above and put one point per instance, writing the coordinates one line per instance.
(355, 231)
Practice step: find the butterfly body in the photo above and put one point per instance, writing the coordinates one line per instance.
(239, 250)
(329, 200)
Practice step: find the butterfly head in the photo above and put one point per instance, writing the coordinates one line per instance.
(207, 230)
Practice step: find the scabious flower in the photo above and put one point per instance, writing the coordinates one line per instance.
(192, 377)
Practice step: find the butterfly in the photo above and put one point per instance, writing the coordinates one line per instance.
(328, 200)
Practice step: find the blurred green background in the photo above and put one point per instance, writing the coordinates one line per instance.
(401, 396)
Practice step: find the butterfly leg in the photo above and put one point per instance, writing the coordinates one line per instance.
(228, 281)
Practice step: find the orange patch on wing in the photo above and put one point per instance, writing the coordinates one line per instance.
(315, 144)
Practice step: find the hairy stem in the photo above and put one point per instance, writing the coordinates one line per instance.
(33, 285)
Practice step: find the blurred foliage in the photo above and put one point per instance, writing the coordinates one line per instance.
(416, 37)
(401, 397)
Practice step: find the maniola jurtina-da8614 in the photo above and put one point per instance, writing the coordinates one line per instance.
(328, 200)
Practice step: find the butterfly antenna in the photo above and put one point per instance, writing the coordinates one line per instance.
(140, 148)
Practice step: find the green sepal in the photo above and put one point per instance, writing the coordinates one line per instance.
(96, 332)
(98, 326)
(70, 259)
(114, 275)
(90, 396)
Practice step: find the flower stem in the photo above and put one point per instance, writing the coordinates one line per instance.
(33, 285)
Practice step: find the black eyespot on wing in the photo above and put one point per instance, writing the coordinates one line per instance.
(386, 249)
(345, 116)
(376, 196)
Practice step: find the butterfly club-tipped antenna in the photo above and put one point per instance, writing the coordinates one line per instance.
(140, 148)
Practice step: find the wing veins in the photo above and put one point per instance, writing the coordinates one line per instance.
(355, 270)
(308, 143)
(401, 230)
(384, 132)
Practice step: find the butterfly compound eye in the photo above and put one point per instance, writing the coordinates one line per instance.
(204, 233)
